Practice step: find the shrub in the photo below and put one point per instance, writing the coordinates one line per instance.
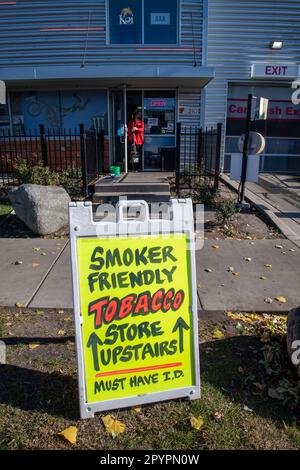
(36, 173)
(204, 193)
(226, 209)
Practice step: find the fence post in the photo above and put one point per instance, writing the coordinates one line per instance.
(83, 160)
(177, 163)
(102, 143)
(43, 145)
(218, 156)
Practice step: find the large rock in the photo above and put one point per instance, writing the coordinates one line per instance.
(293, 334)
(44, 209)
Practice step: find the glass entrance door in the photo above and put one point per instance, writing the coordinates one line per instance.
(159, 117)
(119, 128)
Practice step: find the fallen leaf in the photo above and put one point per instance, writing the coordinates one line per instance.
(35, 265)
(231, 269)
(43, 254)
(113, 426)
(265, 338)
(137, 409)
(281, 299)
(216, 247)
(69, 435)
(279, 247)
(61, 311)
(292, 250)
(19, 305)
(269, 266)
(197, 423)
(258, 385)
(248, 259)
(241, 370)
(268, 300)
(236, 274)
(263, 278)
(34, 345)
(207, 270)
(17, 263)
(218, 334)
(61, 333)
(36, 248)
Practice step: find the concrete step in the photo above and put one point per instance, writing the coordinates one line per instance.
(132, 187)
(112, 196)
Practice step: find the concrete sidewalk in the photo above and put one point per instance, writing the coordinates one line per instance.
(43, 280)
(278, 197)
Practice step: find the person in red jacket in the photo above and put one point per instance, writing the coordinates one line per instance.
(136, 129)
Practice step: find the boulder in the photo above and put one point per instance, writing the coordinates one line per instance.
(44, 209)
(293, 334)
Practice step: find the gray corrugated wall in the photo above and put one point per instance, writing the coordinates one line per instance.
(239, 33)
(55, 33)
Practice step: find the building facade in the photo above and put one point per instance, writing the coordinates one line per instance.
(96, 62)
(240, 34)
(68, 62)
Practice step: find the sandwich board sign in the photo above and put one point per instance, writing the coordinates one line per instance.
(135, 305)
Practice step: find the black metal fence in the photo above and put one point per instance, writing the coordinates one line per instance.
(81, 152)
(198, 153)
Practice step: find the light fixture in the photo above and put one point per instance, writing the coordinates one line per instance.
(276, 45)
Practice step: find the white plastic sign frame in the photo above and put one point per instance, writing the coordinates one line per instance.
(82, 224)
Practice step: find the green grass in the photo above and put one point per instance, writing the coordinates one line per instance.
(39, 398)
(5, 209)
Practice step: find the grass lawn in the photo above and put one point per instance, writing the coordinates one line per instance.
(240, 372)
(5, 208)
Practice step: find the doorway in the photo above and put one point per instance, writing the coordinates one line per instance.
(158, 110)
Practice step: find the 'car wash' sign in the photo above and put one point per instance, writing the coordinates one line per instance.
(135, 312)
(274, 71)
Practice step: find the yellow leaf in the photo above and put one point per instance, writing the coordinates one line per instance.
(234, 316)
(216, 247)
(269, 266)
(34, 345)
(36, 248)
(19, 305)
(61, 333)
(281, 299)
(236, 274)
(218, 334)
(113, 426)
(197, 423)
(241, 370)
(69, 435)
(263, 278)
(137, 409)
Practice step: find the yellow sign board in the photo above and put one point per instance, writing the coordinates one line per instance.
(137, 320)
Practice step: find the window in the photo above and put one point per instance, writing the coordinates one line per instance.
(159, 113)
(143, 21)
(160, 21)
(125, 20)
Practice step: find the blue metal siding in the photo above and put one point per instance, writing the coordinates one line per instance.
(59, 33)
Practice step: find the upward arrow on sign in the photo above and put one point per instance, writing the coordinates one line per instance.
(93, 342)
(180, 325)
